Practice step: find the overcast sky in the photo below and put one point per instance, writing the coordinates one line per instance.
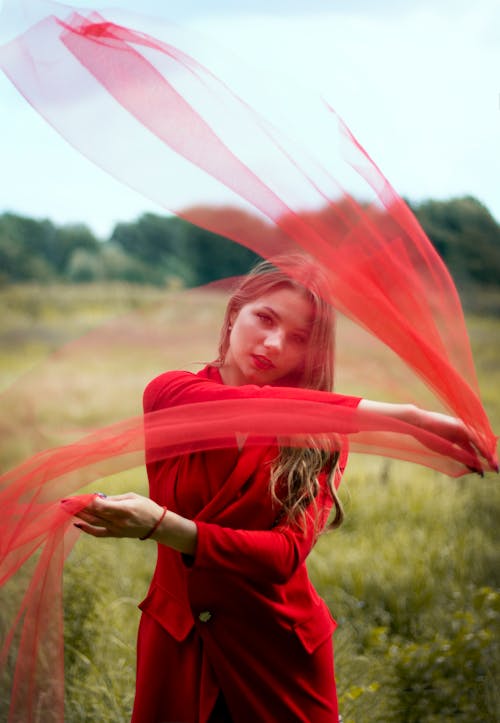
(417, 82)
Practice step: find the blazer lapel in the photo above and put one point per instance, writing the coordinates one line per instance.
(249, 459)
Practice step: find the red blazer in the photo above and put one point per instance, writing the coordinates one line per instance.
(240, 616)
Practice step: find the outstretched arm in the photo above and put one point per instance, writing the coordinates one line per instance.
(442, 425)
(176, 388)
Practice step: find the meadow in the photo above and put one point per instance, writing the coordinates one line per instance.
(412, 576)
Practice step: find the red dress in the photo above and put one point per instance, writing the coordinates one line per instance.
(241, 616)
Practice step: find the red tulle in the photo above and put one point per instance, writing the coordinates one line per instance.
(159, 119)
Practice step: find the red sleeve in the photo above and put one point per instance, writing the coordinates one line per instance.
(174, 388)
(270, 556)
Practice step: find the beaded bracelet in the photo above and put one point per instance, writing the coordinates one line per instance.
(155, 526)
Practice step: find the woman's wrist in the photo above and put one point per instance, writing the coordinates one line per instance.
(176, 532)
(154, 527)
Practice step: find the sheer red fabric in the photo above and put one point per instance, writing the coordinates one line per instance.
(172, 124)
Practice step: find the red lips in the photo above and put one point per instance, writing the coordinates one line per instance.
(262, 362)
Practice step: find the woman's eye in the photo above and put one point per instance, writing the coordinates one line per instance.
(264, 317)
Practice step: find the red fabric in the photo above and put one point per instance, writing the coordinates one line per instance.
(37, 626)
(171, 121)
(267, 642)
(169, 117)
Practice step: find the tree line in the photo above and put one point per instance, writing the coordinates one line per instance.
(163, 249)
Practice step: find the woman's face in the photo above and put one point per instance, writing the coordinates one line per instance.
(268, 339)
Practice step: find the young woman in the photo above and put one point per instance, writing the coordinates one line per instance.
(232, 629)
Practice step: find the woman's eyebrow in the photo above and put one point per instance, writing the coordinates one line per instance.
(271, 311)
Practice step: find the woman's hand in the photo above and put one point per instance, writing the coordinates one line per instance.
(127, 515)
(442, 426)
(455, 431)
(132, 515)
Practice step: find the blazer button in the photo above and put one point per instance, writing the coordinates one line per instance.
(205, 616)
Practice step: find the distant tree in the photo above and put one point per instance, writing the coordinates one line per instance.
(181, 250)
(151, 238)
(465, 235)
(163, 249)
(25, 248)
(84, 266)
(158, 243)
(118, 265)
(70, 238)
(215, 257)
(37, 250)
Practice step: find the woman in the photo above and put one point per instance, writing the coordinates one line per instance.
(232, 628)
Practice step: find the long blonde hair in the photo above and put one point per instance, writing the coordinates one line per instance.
(294, 475)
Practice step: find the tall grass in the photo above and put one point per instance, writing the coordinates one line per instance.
(413, 579)
(412, 576)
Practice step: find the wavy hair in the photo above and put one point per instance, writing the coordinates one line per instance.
(294, 478)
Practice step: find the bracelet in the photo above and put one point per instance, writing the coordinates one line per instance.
(155, 526)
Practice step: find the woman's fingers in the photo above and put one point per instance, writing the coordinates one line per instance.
(472, 442)
(91, 517)
(460, 435)
(126, 515)
(118, 498)
(107, 508)
(474, 445)
(485, 453)
(474, 462)
(99, 529)
(92, 530)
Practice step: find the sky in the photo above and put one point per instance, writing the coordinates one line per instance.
(417, 82)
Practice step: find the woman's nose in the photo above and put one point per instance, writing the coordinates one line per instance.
(274, 340)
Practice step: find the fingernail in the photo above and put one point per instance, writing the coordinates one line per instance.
(476, 470)
(100, 494)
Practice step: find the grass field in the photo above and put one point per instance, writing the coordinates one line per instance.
(412, 576)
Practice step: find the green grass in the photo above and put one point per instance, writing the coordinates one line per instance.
(413, 579)
(412, 576)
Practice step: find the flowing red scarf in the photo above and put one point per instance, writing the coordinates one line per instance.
(152, 111)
